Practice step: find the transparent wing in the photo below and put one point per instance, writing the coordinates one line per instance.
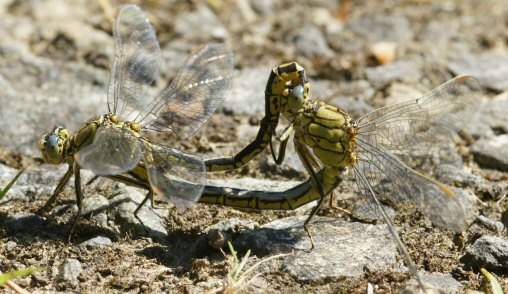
(136, 64)
(175, 174)
(369, 194)
(391, 178)
(195, 94)
(113, 151)
(425, 123)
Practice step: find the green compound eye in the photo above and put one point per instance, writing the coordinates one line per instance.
(51, 146)
(298, 92)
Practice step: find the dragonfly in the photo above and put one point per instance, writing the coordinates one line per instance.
(113, 145)
(377, 148)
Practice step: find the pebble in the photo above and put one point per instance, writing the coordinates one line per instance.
(122, 209)
(247, 93)
(382, 28)
(70, 270)
(488, 251)
(94, 204)
(452, 175)
(343, 249)
(384, 52)
(401, 70)
(362, 209)
(489, 121)
(310, 42)
(492, 152)
(95, 243)
(200, 26)
(434, 283)
(491, 224)
(491, 69)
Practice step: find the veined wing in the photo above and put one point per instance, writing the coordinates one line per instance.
(391, 178)
(203, 83)
(136, 64)
(424, 123)
(175, 174)
(113, 151)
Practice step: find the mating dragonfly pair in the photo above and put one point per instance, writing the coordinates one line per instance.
(328, 141)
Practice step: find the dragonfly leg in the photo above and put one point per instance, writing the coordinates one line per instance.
(316, 183)
(58, 189)
(79, 199)
(138, 184)
(284, 139)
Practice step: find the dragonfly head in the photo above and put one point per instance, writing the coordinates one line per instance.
(296, 99)
(52, 145)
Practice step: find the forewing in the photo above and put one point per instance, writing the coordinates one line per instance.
(136, 63)
(113, 151)
(195, 94)
(425, 123)
(178, 175)
(391, 178)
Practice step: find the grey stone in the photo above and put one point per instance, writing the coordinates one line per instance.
(452, 175)
(200, 26)
(247, 93)
(10, 246)
(489, 120)
(234, 225)
(70, 270)
(401, 70)
(95, 243)
(343, 249)
(468, 201)
(489, 252)
(52, 80)
(248, 183)
(490, 69)
(263, 7)
(94, 204)
(435, 283)
(310, 42)
(491, 224)
(122, 209)
(381, 27)
(402, 92)
(492, 152)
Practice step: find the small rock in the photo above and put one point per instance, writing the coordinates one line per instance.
(492, 152)
(234, 225)
(94, 204)
(452, 175)
(490, 120)
(95, 243)
(251, 184)
(247, 93)
(490, 69)
(70, 270)
(491, 224)
(122, 209)
(489, 252)
(263, 7)
(402, 70)
(438, 281)
(310, 42)
(200, 26)
(10, 245)
(384, 52)
(402, 92)
(382, 27)
(343, 249)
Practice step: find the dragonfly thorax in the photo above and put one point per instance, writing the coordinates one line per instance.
(330, 133)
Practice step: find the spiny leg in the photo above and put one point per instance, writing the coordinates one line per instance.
(58, 189)
(79, 199)
(308, 166)
(283, 139)
(138, 184)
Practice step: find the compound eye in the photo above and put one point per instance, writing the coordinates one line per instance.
(298, 92)
(51, 146)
